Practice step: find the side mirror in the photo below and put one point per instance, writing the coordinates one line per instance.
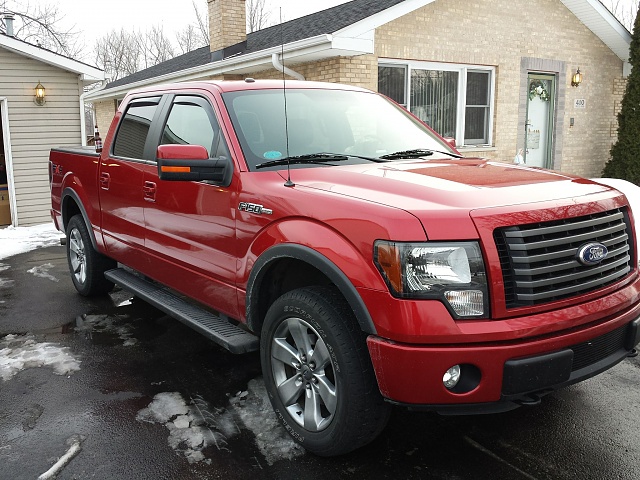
(451, 142)
(192, 163)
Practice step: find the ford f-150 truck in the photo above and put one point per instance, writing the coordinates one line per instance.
(367, 261)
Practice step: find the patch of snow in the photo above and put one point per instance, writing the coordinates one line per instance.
(254, 409)
(189, 431)
(19, 352)
(106, 324)
(5, 283)
(195, 425)
(43, 272)
(15, 240)
(4, 266)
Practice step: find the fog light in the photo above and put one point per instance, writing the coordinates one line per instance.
(466, 303)
(451, 377)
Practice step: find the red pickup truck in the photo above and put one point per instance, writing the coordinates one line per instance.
(367, 261)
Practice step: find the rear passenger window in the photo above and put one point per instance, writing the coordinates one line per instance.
(134, 128)
(192, 122)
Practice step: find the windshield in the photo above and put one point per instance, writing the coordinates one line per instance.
(323, 121)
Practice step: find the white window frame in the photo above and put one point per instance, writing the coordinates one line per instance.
(462, 70)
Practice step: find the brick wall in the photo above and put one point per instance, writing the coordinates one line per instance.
(619, 87)
(104, 114)
(459, 31)
(227, 23)
(361, 71)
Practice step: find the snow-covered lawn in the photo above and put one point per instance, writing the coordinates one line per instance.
(15, 240)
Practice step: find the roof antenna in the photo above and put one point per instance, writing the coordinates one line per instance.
(288, 183)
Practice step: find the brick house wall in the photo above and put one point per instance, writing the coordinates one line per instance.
(478, 33)
(104, 112)
(360, 71)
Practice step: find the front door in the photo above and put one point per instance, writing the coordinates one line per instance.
(538, 148)
(191, 225)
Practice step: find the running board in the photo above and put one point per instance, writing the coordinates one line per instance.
(220, 331)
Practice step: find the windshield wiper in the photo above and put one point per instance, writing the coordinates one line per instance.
(417, 153)
(309, 158)
(316, 158)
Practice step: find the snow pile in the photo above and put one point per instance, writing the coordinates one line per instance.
(192, 428)
(15, 240)
(18, 352)
(43, 272)
(196, 426)
(254, 409)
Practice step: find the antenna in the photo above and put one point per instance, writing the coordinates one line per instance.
(288, 183)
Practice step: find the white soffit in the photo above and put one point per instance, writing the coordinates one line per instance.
(89, 74)
(602, 23)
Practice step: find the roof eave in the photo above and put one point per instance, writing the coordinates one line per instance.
(88, 73)
(309, 49)
(597, 18)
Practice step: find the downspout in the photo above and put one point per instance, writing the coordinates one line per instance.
(281, 68)
(83, 127)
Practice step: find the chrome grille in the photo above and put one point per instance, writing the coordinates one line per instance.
(539, 263)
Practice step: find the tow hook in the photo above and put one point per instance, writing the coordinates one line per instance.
(632, 354)
(529, 401)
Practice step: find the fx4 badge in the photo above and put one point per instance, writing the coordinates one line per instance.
(254, 208)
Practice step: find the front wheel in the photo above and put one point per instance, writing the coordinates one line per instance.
(86, 265)
(318, 373)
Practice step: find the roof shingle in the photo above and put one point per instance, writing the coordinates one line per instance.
(324, 22)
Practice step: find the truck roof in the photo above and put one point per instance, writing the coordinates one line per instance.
(248, 84)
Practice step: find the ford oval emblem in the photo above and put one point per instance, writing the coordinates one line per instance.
(591, 253)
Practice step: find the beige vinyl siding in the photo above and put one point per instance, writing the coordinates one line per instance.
(34, 129)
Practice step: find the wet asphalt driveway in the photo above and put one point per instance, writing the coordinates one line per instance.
(140, 396)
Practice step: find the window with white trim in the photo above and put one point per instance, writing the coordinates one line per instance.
(455, 100)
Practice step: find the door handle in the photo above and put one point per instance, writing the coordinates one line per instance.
(105, 180)
(149, 191)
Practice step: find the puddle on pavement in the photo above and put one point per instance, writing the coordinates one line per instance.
(119, 319)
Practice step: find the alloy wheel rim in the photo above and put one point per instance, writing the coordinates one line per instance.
(77, 256)
(304, 374)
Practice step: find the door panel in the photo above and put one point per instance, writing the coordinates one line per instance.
(538, 151)
(191, 225)
(121, 180)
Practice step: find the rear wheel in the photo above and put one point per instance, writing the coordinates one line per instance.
(87, 266)
(318, 372)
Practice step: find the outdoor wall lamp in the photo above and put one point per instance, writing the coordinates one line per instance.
(576, 80)
(39, 98)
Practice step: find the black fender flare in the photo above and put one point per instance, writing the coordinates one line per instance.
(316, 260)
(71, 193)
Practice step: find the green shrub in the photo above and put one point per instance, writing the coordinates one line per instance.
(625, 153)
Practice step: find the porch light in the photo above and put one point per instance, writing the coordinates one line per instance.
(576, 80)
(39, 98)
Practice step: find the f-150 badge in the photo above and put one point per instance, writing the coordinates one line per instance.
(254, 208)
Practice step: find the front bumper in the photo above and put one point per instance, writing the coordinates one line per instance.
(504, 375)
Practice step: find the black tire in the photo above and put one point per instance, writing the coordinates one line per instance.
(344, 409)
(86, 265)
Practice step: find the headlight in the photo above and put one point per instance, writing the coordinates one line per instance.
(452, 272)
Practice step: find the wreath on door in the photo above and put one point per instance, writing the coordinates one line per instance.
(537, 88)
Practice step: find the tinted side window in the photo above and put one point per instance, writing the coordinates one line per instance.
(191, 121)
(134, 129)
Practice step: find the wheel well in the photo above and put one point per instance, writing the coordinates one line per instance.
(69, 209)
(283, 276)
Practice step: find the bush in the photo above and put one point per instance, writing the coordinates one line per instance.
(625, 153)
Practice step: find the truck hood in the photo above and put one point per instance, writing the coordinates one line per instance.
(450, 190)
